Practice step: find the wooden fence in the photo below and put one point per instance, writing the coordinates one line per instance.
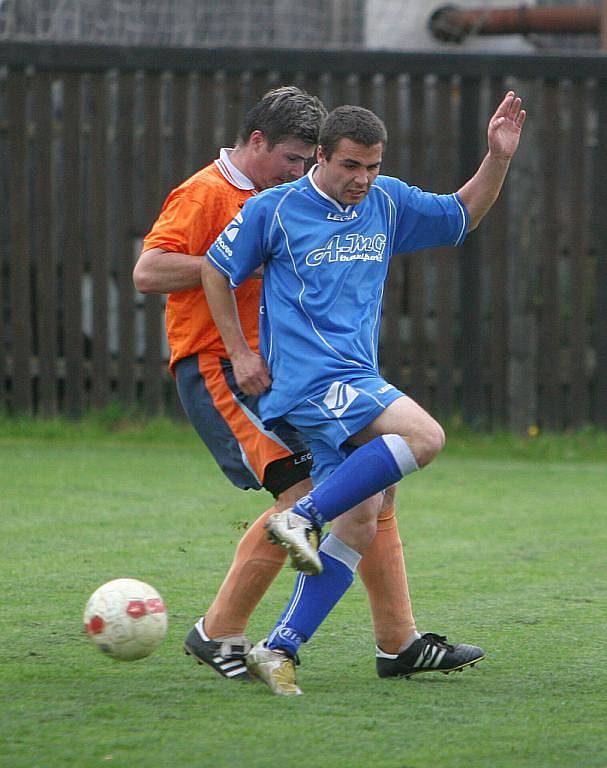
(509, 330)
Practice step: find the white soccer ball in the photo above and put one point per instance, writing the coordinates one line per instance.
(126, 619)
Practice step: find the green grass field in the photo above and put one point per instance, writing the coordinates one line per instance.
(506, 547)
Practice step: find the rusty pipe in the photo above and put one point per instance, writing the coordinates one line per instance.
(452, 24)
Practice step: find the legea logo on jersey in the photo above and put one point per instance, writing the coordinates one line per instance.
(233, 227)
(340, 397)
(346, 216)
(346, 248)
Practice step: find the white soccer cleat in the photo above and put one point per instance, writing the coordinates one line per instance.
(274, 668)
(299, 537)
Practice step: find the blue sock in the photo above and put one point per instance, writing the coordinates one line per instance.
(368, 470)
(315, 596)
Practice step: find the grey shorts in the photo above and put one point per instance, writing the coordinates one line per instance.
(250, 455)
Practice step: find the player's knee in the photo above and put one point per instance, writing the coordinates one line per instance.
(365, 527)
(387, 506)
(358, 526)
(366, 534)
(431, 443)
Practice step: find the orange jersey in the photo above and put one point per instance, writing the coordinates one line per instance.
(191, 218)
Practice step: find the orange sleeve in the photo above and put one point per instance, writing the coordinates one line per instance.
(186, 223)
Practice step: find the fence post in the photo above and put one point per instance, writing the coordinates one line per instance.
(600, 222)
(497, 244)
(578, 255)
(446, 259)
(550, 405)
(72, 248)
(473, 406)
(124, 129)
(45, 256)
(20, 255)
(98, 179)
(416, 272)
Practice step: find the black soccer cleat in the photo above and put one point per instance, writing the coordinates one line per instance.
(429, 653)
(226, 655)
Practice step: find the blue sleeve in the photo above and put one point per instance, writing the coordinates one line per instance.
(240, 248)
(426, 220)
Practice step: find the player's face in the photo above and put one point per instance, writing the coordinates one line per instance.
(284, 162)
(348, 175)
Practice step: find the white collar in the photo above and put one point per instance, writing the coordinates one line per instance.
(230, 172)
(336, 203)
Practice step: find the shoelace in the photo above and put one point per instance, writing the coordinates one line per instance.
(439, 641)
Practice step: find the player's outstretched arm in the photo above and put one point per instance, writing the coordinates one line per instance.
(158, 271)
(503, 134)
(250, 370)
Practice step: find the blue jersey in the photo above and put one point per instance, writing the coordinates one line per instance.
(324, 272)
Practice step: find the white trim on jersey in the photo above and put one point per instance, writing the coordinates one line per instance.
(462, 231)
(393, 208)
(336, 203)
(231, 173)
(221, 268)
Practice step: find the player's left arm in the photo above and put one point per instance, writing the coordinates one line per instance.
(231, 259)
(250, 370)
(503, 134)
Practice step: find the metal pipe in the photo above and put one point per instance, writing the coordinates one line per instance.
(452, 24)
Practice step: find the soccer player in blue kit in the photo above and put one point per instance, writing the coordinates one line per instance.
(325, 244)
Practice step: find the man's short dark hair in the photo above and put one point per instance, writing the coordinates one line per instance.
(284, 113)
(355, 123)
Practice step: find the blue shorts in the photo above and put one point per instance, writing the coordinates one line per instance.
(327, 422)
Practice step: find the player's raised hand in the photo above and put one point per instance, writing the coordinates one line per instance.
(505, 126)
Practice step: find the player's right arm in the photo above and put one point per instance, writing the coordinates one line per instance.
(159, 271)
(250, 370)
(172, 250)
(238, 251)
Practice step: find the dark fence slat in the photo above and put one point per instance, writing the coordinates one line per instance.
(473, 406)
(445, 259)
(123, 216)
(497, 239)
(203, 119)
(44, 252)
(393, 357)
(179, 118)
(599, 221)
(99, 266)
(578, 245)
(415, 261)
(550, 406)
(365, 91)
(220, 111)
(72, 246)
(4, 235)
(20, 256)
(235, 85)
(152, 359)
